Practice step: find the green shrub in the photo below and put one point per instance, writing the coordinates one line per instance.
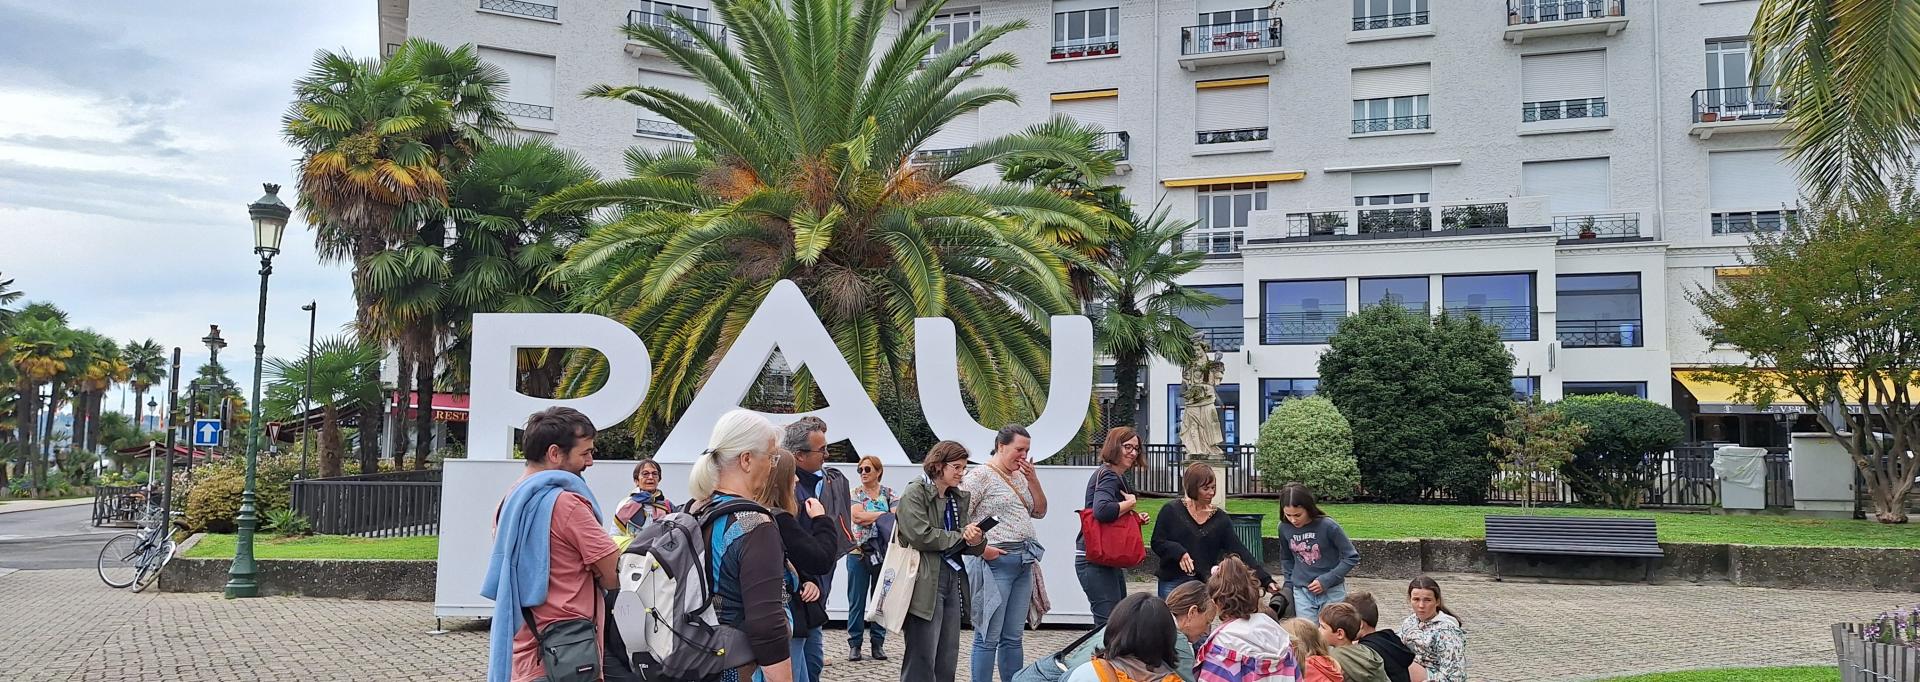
(288, 523)
(1308, 441)
(213, 497)
(1613, 467)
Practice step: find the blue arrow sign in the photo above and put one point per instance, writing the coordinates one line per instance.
(206, 433)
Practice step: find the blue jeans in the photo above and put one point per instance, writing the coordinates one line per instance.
(1306, 605)
(859, 583)
(998, 639)
(1105, 587)
(796, 656)
(1166, 586)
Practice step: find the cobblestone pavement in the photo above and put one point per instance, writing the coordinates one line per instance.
(66, 625)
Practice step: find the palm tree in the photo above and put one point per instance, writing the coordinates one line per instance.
(346, 375)
(102, 369)
(146, 368)
(804, 169)
(8, 296)
(39, 351)
(1849, 71)
(1143, 298)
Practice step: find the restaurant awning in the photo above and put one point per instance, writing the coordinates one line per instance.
(1716, 397)
(447, 407)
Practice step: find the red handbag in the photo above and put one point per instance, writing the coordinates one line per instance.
(1116, 543)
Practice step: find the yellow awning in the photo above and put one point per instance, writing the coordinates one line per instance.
(1085, 94)
(1287, 176)
(1708, 391)
(1231, 83)
(1747, 271)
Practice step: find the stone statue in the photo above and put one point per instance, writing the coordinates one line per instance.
(1200, 431)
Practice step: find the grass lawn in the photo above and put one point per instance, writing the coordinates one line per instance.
(1805, 674)
(1404, 521)
(425, 548)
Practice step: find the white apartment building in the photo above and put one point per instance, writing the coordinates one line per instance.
(1566, 169)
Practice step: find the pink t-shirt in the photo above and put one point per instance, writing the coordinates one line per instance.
(577, 542)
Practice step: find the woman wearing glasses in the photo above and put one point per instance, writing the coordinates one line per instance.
(1108, 496)
(646, 503)
(871, 502)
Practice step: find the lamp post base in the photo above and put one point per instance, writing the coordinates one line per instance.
(242, 576)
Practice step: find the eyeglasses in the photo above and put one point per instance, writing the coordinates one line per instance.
(649, 474)
(866, 470)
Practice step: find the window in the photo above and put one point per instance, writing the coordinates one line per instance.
(540, 10)
(1235, 16)
(1230, 30)
(1230, 110)
(1635, 389)
(1580, 186)
(1732, 93)
(1094, 109)
(1229, 400)
(1408, 190)
(528, 95)
(1563, 86)
(655, 14)
(1222, 212)
(1749, 191)
(1504, 301)
(1410, 293)
(953, 27)
(1377, 14)
(1221, 325)
(954, 138)
(1600, 311)
(1275, 391)
(1302, 312)
(1525, 388)
(651, 123)
(1089, 32)
(1391, 99)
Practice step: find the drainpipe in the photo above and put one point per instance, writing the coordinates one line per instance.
(1659, 129)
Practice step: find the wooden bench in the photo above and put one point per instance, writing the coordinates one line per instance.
(1573, 535)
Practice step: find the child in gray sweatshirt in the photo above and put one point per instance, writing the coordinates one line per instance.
(1318, 555)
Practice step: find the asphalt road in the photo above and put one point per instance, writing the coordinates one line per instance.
(51, 538)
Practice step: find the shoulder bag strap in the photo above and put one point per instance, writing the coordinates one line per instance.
(1024, 502)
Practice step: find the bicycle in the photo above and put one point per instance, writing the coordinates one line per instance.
(135, 559)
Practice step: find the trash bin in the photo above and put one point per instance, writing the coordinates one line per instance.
(1247, 528)
(1743, 476)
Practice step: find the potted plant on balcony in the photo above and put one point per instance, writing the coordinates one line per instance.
(1586, 228)
(1709, 116)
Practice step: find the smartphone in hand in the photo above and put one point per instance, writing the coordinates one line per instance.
(987, 524)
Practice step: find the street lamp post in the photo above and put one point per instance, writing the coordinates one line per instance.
(214, 344)
(269, 216)
(306, 393)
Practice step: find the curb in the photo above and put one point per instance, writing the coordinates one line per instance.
(36, 505)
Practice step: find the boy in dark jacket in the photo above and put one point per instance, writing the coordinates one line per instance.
(1397, 654)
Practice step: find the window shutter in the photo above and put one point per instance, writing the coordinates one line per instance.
(1415, 181)
(1758, 180)
(684, 85)
(1568, 75)
(1392, 81)
(1077, 5)
(1208, 6)
(1099, 111)
(960, 133)
(1580, 186)
(1234, 108)
(529, 76)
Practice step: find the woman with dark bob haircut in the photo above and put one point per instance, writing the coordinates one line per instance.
(1191, 537)
(1108, 499)
(1139, 643)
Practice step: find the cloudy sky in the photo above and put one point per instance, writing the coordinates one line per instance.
(132, 136)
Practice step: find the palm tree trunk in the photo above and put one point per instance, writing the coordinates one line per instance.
(331, 451)
(98, 405)
(46, 446)
(1126, 390)
(423, 417)
(27, 423)
(401, 387)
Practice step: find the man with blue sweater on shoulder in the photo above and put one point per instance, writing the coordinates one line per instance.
(552, 558)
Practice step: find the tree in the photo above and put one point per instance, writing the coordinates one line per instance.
(8, 296)
(1142, 299)
(146, 368)
(1422, 397)
(1308, 441)
(100, 367)
(1535, 440)
(804, 168)
(39, 351)
(346, 376)
(1846, 70)
(1616, 462)
(1831, 316)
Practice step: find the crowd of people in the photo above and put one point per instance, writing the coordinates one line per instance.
(779, 524)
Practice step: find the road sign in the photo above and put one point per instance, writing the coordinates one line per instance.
(206, 433)
(273, 430)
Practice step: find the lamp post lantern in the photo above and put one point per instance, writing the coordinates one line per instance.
(153, 418)
(214, 344)
(269, 216)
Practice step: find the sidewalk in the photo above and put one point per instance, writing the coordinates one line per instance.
(31, 505)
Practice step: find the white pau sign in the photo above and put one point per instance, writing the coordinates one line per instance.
(783, 322)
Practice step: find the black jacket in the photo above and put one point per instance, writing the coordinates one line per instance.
(1395, 652)
(1175, 533)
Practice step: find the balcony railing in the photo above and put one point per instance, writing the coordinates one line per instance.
(1115, 141)
(526, 9)
(1745, 222)
(1387, 220)
(1598, 226)
(1235, 135)
(1514, 322)
(1593, 107)
(1230, 37)
(674, 30)
(1301, 327)
(969, 60)
(1224, 339)
(937, 155)
(1473, 216)
(1599, 333)
(1214, 241)
(1391, 123)
(667, 129)
(1544, 11)
(1750, 103)
(525, 110)
(1074, 49)
(1380, 21)
(1316, 224)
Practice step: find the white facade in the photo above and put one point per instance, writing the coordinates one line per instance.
(1515, 119)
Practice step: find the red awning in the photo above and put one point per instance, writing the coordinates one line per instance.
(447, 407)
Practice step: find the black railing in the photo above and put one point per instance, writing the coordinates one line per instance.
(1515, 322)
(1543, 11)
(1597, 226)
(528, 9)
(381, 505)
(1317, 224)
(1473, 216)
(968, 60)
(1163, 464)
(1216, 241)
(1225, 339)
(1748, 103)
(1234, 135)
(1600, 333)
(525, 110)
(1379, 21)
(1230, 37)
(1388, 124)
(679, 34)
(1075, 50)
(1745, 222)
(1557, 110)
(1115, 141)
(936, 155)
(1304, 327)
(115, 505)
(1390, 220)
(666, 129)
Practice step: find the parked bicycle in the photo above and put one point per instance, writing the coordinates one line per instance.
(135, 559)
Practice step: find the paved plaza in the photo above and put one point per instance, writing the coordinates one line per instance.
(66, 625)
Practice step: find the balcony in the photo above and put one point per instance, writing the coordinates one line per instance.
(1395, 220)
(1303, 327)
(1737, 110)
(1224, 339)
(1082, 48)
(1473, 217)
(1214, 242)
(1116, 141)
(665, 130)
(1389, 26)
(1748, 222)
(1543, 18)
(1518, 215)
(525, 9)
(928, 157)
(1231, 43)
(1392, 124)
(1514, 322)
(1599, 333)
(968, 60)
(1597, 227)
(1233, 141)
(524, 110)
(673, 30)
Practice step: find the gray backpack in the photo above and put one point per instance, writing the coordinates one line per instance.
(665, 611)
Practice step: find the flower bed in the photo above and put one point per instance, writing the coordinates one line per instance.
(1885, 648)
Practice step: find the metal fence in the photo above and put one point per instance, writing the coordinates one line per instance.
(117, 505)
(396, 504)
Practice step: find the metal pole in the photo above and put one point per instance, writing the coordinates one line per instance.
(173, 391)
(306, 394)
(240, 580)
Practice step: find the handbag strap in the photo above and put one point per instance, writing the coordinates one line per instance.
(1024, 502)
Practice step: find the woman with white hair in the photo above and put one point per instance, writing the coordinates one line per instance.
(747, 555)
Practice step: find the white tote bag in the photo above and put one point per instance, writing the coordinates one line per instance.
(893, 594)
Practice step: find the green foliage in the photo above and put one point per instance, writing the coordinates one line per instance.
(1612, 467)
(1307, 441)
(213, 497)
(1847, 67)
(287, 523)
(1535, 440)
(1422, 397)
(415, 548)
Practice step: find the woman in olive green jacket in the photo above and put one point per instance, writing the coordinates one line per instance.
(929, 521)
